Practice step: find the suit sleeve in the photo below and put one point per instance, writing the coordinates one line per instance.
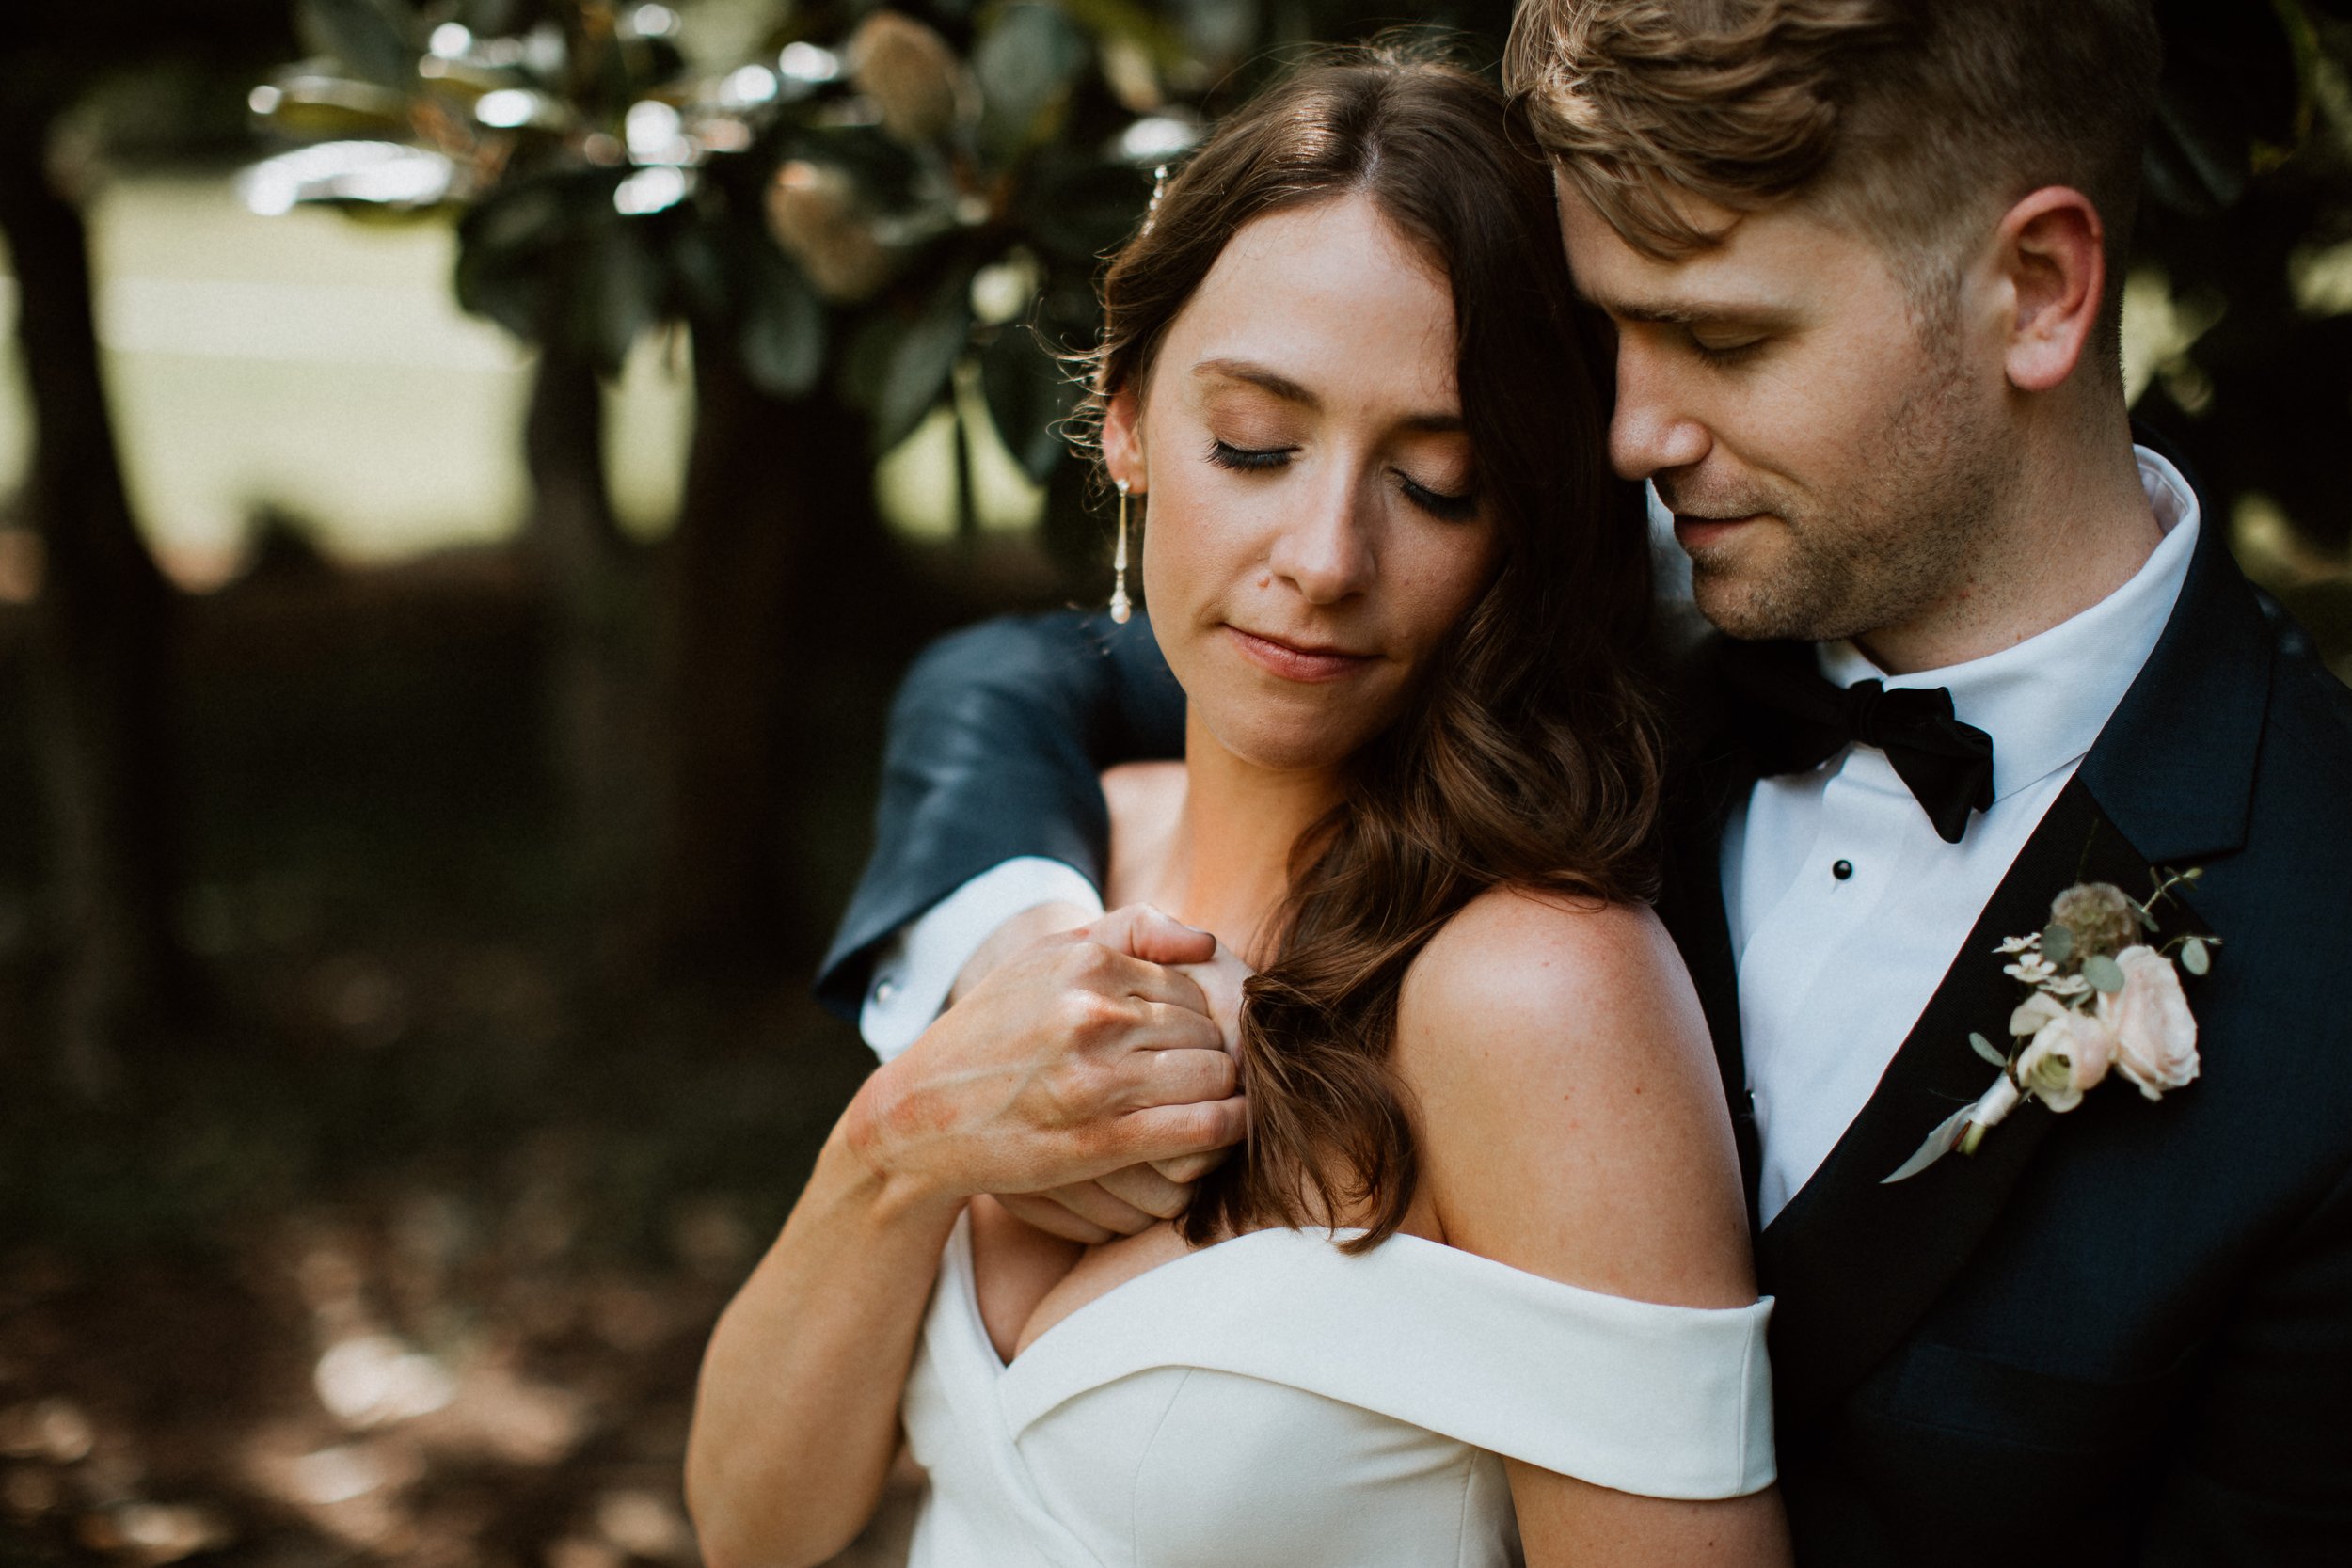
(996, 742)
(2264, 1475)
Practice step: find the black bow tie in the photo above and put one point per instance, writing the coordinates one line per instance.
(1794, 721)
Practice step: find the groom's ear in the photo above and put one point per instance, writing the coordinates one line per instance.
(2053, 259)
(1122, 441)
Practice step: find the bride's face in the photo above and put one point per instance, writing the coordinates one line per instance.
(1315, 524)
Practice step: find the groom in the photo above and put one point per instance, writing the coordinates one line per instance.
(1978, 646)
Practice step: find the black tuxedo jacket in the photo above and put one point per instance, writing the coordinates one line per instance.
(2121, 1334)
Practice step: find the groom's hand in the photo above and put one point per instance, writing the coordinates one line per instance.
(1067, 1066)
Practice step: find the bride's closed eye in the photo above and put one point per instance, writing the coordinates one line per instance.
(1446, 505)
(1248, 460)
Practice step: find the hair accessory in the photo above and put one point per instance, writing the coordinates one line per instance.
(1122, 607)
(1159, 189)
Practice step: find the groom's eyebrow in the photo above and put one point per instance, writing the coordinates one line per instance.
(1253, 374)
(1681, 312)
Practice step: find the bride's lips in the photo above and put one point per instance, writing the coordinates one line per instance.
(1695, 533)
(1296, 662)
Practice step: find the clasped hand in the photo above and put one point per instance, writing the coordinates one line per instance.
(1085, 1082)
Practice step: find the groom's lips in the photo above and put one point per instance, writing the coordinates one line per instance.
(1298, 661)
(1694, 533)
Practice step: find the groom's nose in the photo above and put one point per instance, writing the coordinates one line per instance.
(1651, 431)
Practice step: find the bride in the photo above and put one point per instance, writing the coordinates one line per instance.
(1477, 1284)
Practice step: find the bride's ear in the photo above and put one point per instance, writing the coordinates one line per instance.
(1122, 441)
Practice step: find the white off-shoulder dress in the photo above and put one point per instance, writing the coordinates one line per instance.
(1272, 1401)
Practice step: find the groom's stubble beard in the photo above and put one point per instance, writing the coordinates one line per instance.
(1881, 545)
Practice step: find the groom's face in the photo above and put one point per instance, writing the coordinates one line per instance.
(1829, 441)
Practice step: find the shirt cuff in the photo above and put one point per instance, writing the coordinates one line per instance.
(918, 964)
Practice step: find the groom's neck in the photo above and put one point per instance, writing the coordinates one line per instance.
(2073, 527)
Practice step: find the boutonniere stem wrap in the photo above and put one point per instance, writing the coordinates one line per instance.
(2102, 995)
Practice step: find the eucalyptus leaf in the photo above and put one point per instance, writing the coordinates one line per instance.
(1985, 1048)
(2104, 973)
(915, 375)
(1939, 1143)
(2057, 942)
(370, 37)
(2196, 957)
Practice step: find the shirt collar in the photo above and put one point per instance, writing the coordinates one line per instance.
(2045, 700)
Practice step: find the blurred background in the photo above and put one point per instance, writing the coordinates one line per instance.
(471, 474)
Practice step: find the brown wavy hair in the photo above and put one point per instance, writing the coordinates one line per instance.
(1905, 119)
(1529, 752)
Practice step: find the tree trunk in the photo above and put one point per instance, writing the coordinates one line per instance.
(596, 622)
(777, 556)
(102, 674)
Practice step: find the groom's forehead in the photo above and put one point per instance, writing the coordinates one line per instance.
(1765, 266)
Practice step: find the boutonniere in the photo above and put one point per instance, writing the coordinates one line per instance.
(2098, 998)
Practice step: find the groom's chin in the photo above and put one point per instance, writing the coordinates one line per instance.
(1744, 606)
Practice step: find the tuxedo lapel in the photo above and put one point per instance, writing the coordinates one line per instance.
(1853, 1261)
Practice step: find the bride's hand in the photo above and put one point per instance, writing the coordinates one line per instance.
(1133, 1198)
(1220, 980)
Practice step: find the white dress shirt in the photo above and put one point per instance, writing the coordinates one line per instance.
(1845, 908)
(918, 964)
(1833, 969)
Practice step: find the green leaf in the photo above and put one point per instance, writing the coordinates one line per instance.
(2057, 942)
(914, 376)
(2104, 973)
(370, 37)
(1939, 1143)
(1985, 1048)
(782, 337)
(1027, 395)
(2196, 957)
(1024, 64)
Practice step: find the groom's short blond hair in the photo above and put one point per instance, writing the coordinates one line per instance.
(1906, 118)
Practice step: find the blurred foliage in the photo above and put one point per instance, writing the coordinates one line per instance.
(867, 198)
(2248, 217)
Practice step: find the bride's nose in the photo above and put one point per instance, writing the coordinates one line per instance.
(1325, 547)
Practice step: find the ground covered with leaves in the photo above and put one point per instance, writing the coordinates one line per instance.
(408, 1252)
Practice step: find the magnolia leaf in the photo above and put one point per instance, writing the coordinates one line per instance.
(1027, 397)
(1984, 1048)
(369, 36)
(2104, 974)
(782, 335)
(2195, 956)
(916, 376)
(1025, 64)
(615, 292)
(1939, 1143)
(2057, 942)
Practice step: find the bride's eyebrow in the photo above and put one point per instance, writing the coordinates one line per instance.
(1252, 375)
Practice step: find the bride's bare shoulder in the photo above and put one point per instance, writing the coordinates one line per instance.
(1556, 964)
(1566, 1103)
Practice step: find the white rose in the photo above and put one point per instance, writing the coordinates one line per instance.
(2155, 1039)
(2070, 1054)
(2034, 1014)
